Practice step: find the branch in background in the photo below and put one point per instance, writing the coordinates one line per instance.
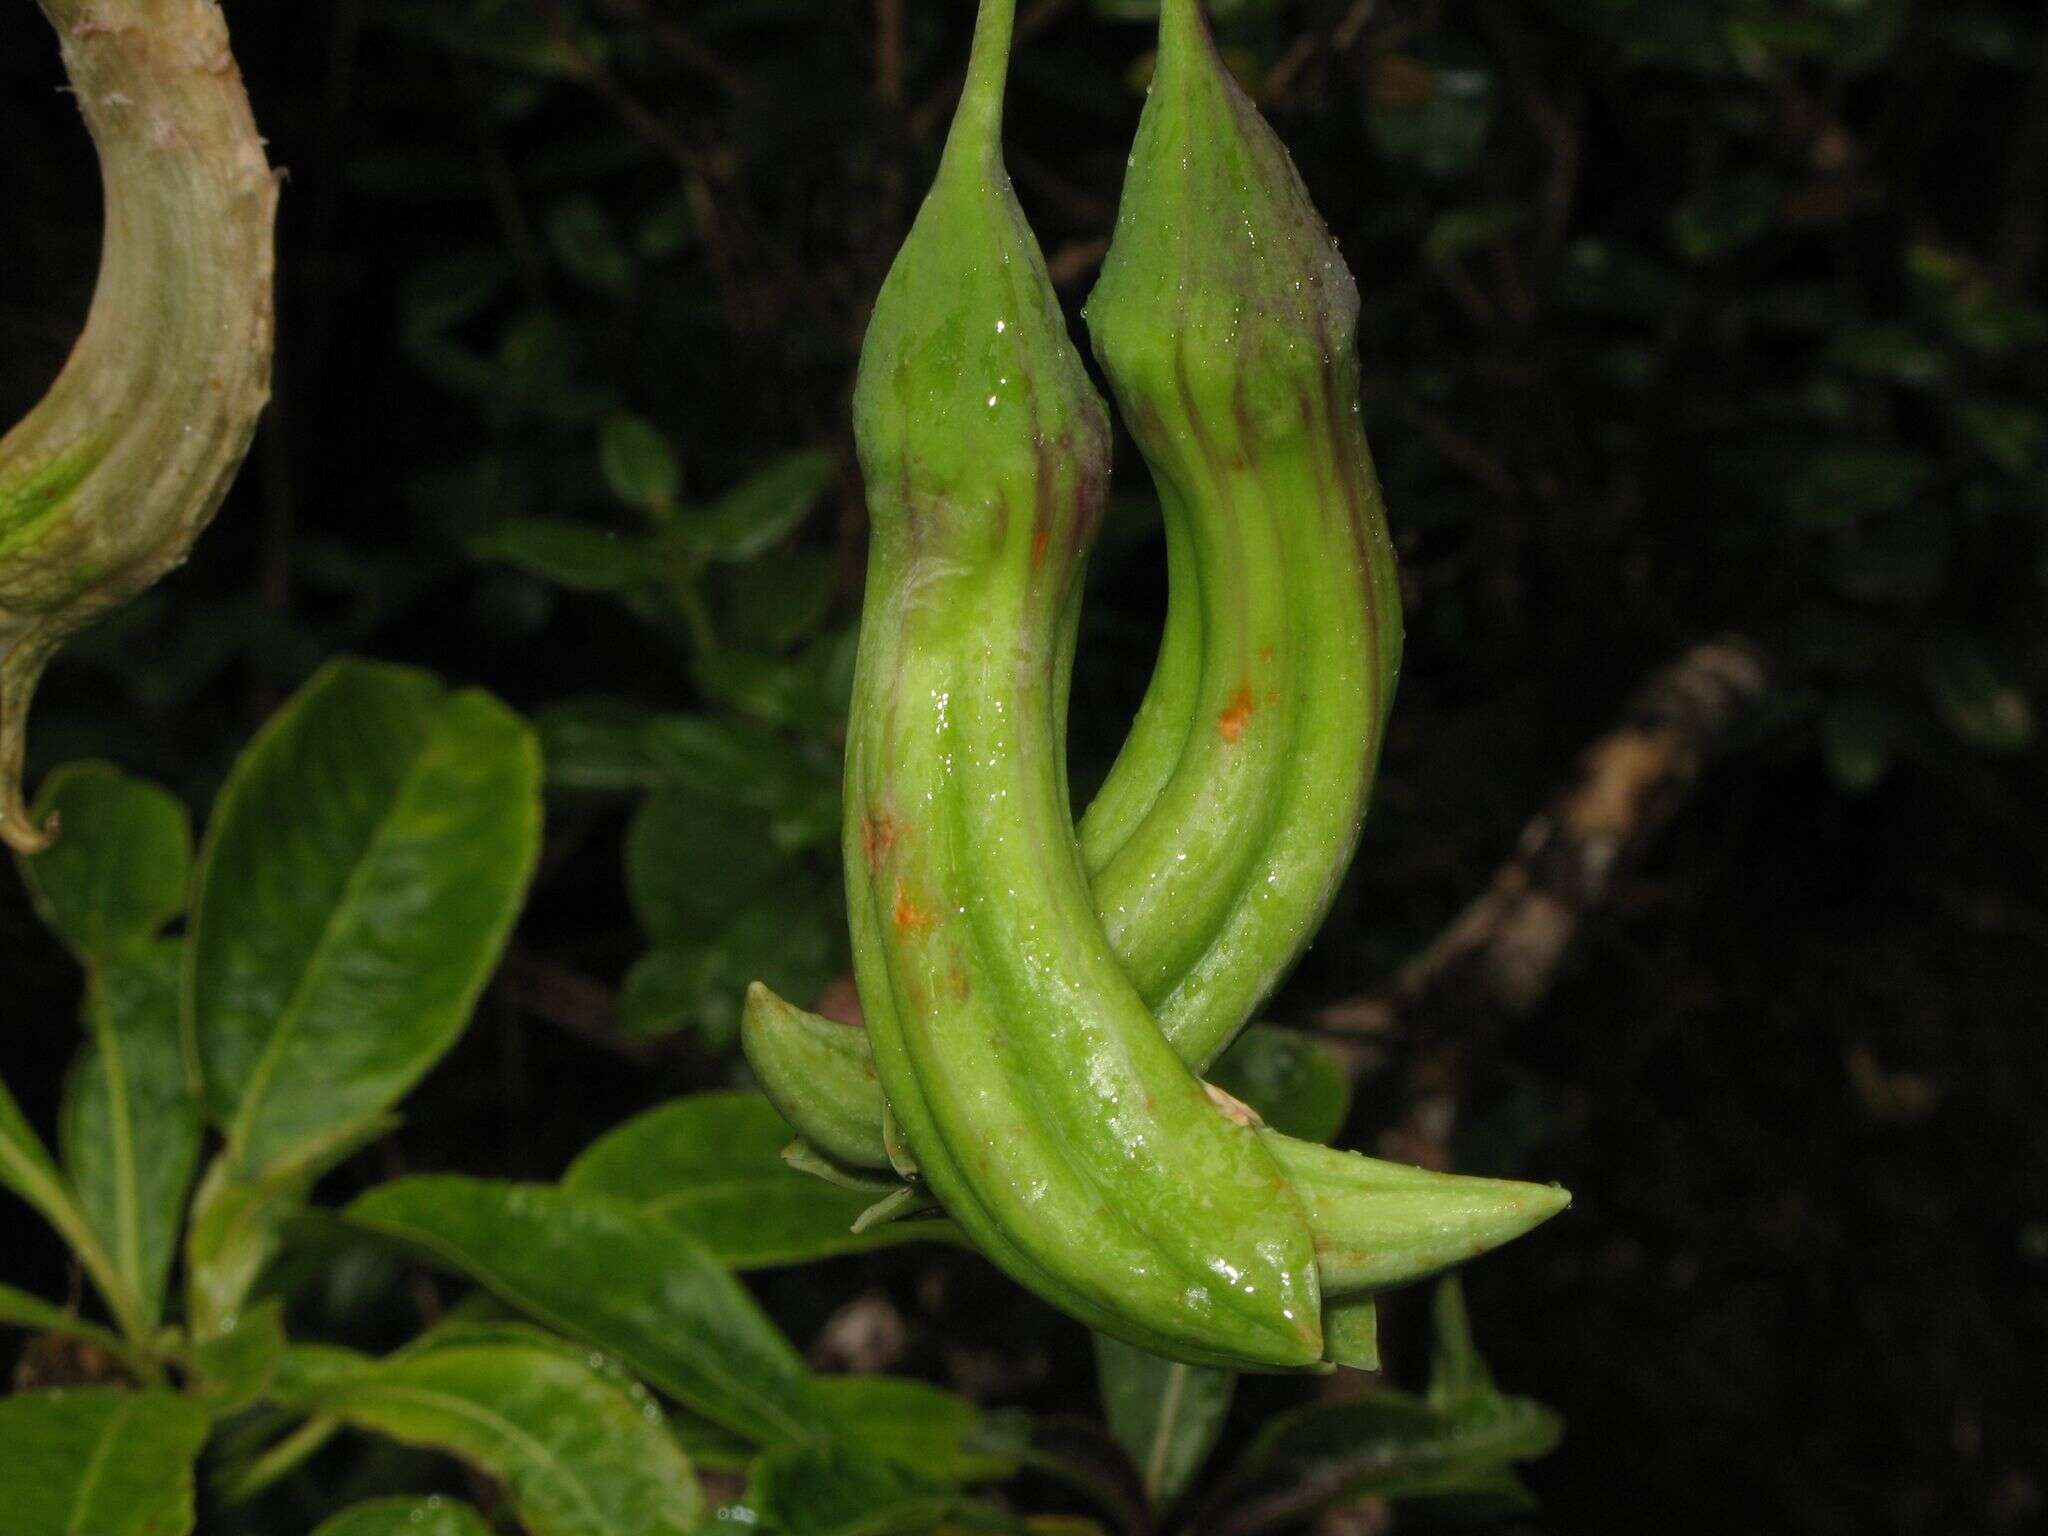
(1498, 958)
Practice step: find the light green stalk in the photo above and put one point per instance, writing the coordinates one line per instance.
(107, 482)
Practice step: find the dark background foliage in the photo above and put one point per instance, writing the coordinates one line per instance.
(1682, 317)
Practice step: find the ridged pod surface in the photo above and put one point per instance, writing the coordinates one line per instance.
(1225, 320)
(107, 482)
(1025, 1074)
(1376, 1224)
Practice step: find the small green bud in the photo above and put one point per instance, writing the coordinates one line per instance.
(1222, 289)
(973, 411)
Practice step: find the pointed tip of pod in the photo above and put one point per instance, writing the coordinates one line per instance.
(968, 376)
(1380, 1224)
(1220, 260)
(818, 1076)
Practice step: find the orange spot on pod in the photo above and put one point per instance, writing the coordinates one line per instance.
(1040, 542)
(1237, 715)
(877, 836)
(910, 917)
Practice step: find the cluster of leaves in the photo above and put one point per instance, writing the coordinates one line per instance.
(358, 881)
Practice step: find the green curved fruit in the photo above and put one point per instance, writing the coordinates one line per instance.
(107, 482)
(1225, 320)
(1376, 1224)
(1043, 1105)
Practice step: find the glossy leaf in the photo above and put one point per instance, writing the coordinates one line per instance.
(762, 510)
(836, 1491)
(360, 877)
(1166, 1414)
(937, 1434)
(712, 1166)
(429, 1515)
(99, 1461)
(619, 1279)
(120, 867)
(1295, 1085)
(130, 1127)
(27, 1168)
(576, 1454)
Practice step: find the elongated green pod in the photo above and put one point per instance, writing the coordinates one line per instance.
(1376, 1224)
(107, 482)
(1043, 1105)
(1225, 320)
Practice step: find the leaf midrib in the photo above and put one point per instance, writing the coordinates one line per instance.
(95, 1467)
(339, 920)
(476, 1413)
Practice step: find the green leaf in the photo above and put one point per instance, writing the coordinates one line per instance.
(599, 745)
(579, 556)
(235, 1365)
(130, 1126)
(617, 1278)
(638, 464)
(1167, 1414)
(924, 1429)
(237, 1225)
(365, 862)
(1385, 1443)
(791, 945)
(120, 869)
(1458, 1377)
(1976, 698)
(692, 862)
(587, 244)
(18, 1309)
(711, 1165)
(99, 1462)
(776, 603)
(576, 1454)
(27, 1168)
(837, 1491)
(1293, 1082)
(431, 1515)
(762, 510)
